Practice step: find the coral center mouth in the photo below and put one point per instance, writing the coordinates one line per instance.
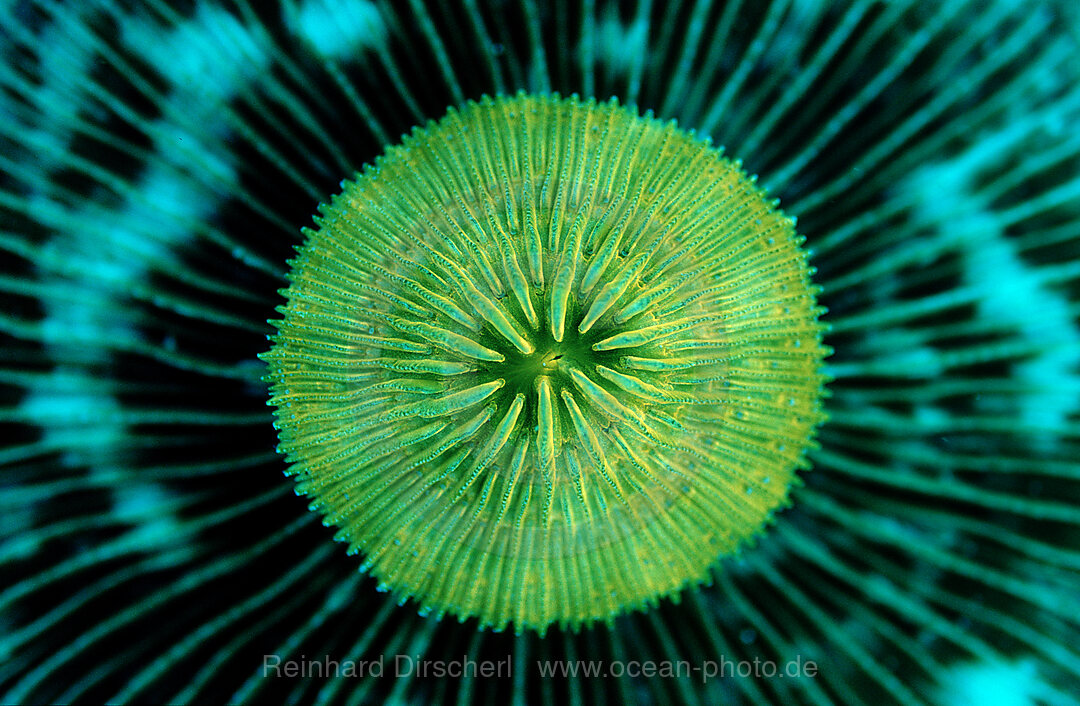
(550, 358)
(547, 361)
(541, 363)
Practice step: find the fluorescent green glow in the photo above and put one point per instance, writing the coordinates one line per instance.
(547, 361)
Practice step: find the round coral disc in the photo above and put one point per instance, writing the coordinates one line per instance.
(547, 361)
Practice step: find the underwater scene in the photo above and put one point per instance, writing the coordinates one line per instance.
(540, 352)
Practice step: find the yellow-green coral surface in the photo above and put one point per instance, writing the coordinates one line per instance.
(547, 361)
